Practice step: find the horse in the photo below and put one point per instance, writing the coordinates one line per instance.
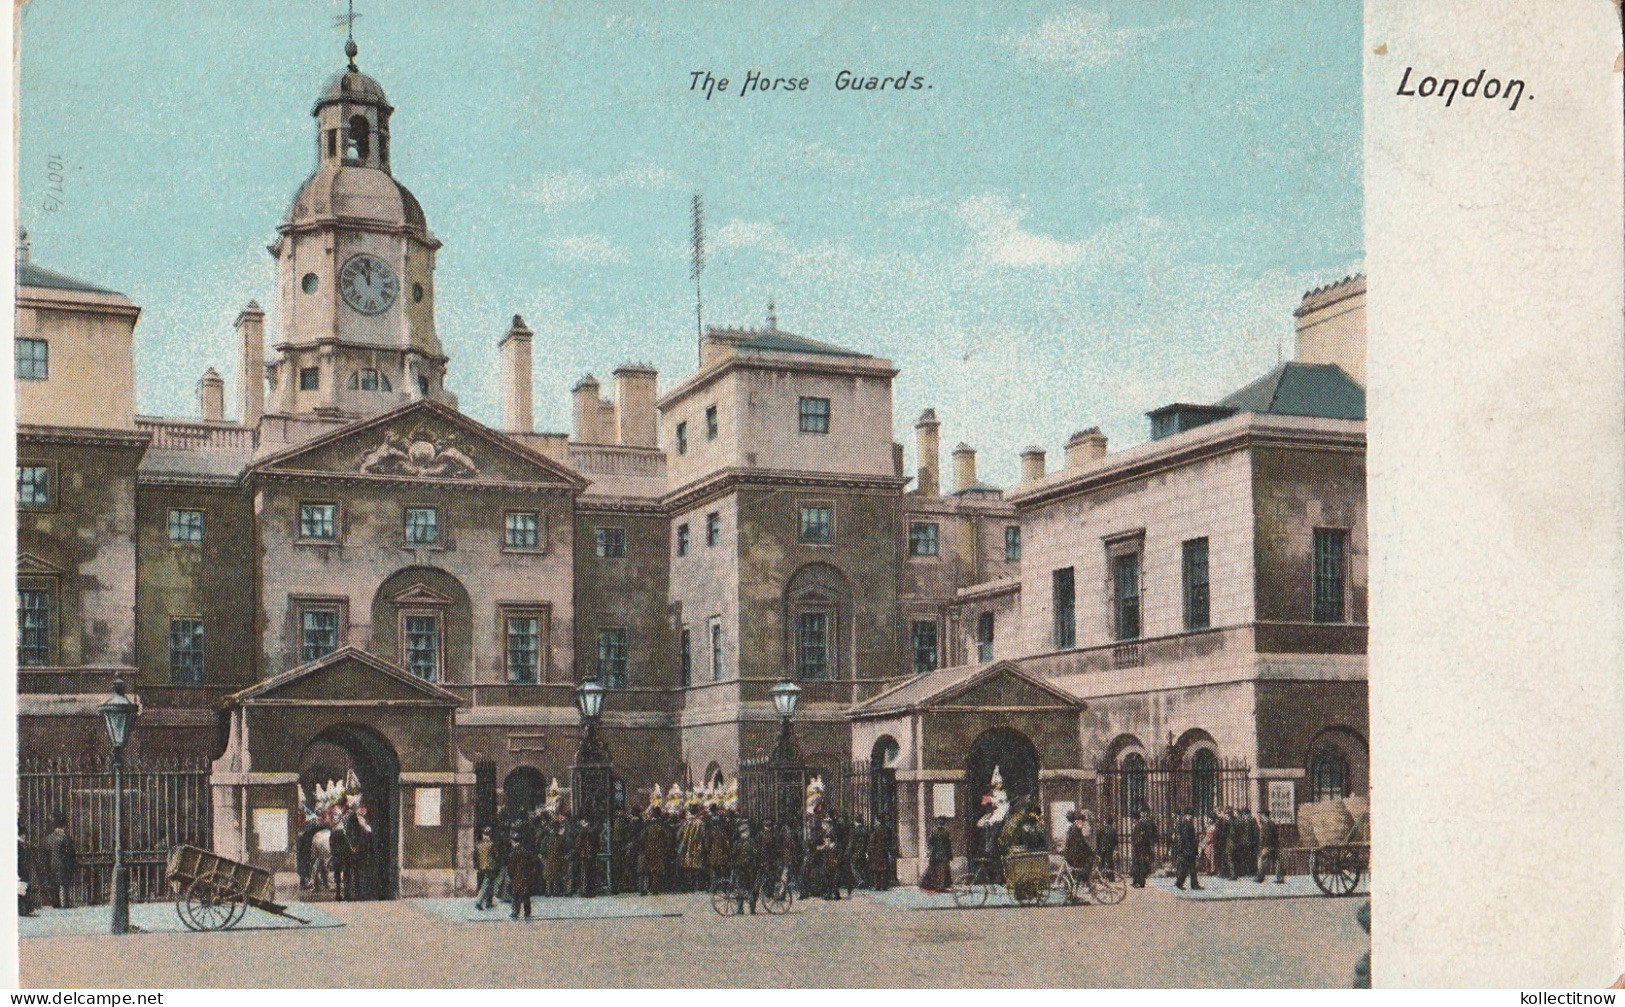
(343, 847)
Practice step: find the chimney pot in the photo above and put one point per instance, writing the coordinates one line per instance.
(927, 451)
(518, 415)
(211, 394)
(1032, 465)
(964, 467)
(1085, 450)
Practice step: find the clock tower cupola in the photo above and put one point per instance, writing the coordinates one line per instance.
(355, 270)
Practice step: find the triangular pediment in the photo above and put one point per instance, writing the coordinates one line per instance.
(422, 441)
(32, 566)
(1003, 687)
(345, 676)
(421, 594)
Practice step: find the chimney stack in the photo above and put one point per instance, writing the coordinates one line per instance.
(514, 349)
(211, 397)
(1085, 450)
(1331, 326)
(928, 454)
(584, 399)
(635, 405)
(964, 467)
(1032, 465)
(250, 327)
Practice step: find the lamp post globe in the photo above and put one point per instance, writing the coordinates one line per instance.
(118, 715)
(786, 694)
(590, 699)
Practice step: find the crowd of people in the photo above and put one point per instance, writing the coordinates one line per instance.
(692, 847)
(47, 872)
(1230, 843)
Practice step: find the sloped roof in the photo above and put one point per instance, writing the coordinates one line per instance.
(1294, 389)
(945, 683)
(430, 692)
(774, 341)
(30, 275)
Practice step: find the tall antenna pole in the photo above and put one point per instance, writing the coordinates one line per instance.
(697, 265)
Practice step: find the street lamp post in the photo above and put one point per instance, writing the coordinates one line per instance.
(119, 713)
(592, 777)
(788, 774)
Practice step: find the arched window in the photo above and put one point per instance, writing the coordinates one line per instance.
(1328, 775)
(1133, 766)
(1204, 781)
(359, 142)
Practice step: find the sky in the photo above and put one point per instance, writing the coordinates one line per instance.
(1093, 209)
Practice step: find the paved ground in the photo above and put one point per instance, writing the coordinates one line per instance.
(158, 918)
(1152, 939)
(1296, 886)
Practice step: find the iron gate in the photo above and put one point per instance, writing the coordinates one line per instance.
(166, 804)
(1165, 792)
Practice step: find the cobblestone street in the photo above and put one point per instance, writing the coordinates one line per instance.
(1152, 939)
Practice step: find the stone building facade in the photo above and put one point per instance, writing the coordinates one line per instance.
(352, 576)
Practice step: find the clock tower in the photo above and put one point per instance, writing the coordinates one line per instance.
(355, 270)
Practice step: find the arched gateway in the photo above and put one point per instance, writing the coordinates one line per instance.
(350, 766)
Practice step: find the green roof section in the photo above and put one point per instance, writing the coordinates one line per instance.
(774, 341)
(1294, 389)
(30, 275)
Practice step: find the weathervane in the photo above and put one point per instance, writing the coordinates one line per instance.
(347, 22)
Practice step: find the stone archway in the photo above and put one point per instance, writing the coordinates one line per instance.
(523, 791)
(357, 758)
(1016, 758)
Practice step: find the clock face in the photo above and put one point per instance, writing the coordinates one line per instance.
(368, 284)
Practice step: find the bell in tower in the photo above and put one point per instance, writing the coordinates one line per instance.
(355, 265)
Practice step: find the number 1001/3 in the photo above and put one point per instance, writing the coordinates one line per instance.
(54, 168)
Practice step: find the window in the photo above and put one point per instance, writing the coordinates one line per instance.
(816, 524)
(524, 649)
(310, 378)
(186, 526)
(716, 651)
(520, 530)
(1012, 543)
(1331, 554)
(713, 528)
(33, 360)
(33, 627)
(423, 646)
(1126, 596)
(33, 486)
(318, 521)
(710, 423)
(984, 637)
(186, 651)
(318, 633)
(814, 416)
(682, 540)
(1063, 589)
(369, 380)
(1133, 766)
(685, 659)
(1194, 576)
(422, 526)
(812, 645)
(922, 539)
(682, 438)
(612, 658)
(923, 639)
(1328, 775)
(610, 543)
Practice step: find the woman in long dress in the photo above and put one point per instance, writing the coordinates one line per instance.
(940, 854)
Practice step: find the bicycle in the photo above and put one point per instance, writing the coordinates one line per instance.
(971, 890)
(1103, 884)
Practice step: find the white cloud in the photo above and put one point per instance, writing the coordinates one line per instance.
(999, 239)
(1082, 39)
(558, 189)
(738, 233)
(589, 249)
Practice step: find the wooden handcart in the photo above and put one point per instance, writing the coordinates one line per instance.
(214, 893)
(1337, 837)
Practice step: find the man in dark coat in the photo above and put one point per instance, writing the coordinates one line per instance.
(881, 856)
(1249, 847)
(1235, 845)
(61, 861)
(1142, 844)
(1185, 852)
(584, 858)
(857, 856)
(746, 865)
(654, 849)
(1269, 842)
(1106, 844)
(523, 868)
(1079, 855)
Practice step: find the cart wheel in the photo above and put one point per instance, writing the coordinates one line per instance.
(723, 899)
(212, 906)
(1060, 888)
(1107, 887)
(1343, 872)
